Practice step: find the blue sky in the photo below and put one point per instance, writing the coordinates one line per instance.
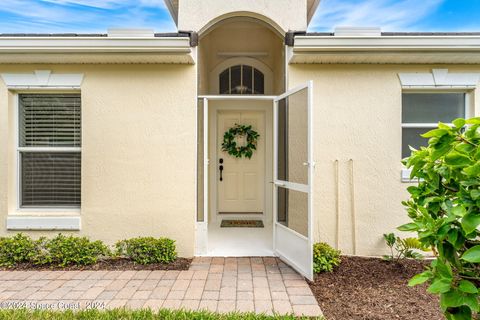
(84, 16)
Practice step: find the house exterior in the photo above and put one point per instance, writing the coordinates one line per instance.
(120, 135)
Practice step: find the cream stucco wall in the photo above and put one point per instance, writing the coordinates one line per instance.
(138, 151)
(284, 15)
(357, 115)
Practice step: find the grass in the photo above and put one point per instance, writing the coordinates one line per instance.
(126, 314)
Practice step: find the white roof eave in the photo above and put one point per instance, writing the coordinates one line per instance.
(84, 49)
(386, 49)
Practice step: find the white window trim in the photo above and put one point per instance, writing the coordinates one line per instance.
(405, 173)
(42, 79)
(39, 210)
(35, 222)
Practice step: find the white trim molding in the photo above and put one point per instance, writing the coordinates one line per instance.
(384, 49)
(439, 78)
(43, 222)
(42, 79)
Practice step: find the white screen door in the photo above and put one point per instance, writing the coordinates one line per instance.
(293, 177)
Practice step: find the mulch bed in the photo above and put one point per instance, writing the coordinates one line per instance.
(373, 289)
(111, 264)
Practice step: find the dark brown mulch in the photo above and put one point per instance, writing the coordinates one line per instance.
(112, 264)
(373, 289)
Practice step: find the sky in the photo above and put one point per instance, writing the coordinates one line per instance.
(96, 16)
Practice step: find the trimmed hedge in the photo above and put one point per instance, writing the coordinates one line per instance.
(147, 250)
(63, 251)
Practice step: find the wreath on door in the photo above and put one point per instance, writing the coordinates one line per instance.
(230, 146)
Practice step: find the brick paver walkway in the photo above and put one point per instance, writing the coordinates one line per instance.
(263, 285)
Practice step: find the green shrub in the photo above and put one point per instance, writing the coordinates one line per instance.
(406, 248)
(70, 250)
(17, 249)
(145, 250)
(444, 208)
(325, 258)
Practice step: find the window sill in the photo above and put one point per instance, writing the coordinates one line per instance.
(39, 222)
(406, 176)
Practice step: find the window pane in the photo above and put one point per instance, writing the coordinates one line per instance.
(247, 79)
(258, 80)
(411, 137)
(432, 107)
(50, 179)
(50, 120)
(225, 82)
(236, 80)
(292, 210)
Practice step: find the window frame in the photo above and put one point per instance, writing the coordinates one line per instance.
(242, 66)
(405, 176)
(19, 150)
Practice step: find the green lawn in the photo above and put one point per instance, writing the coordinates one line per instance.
(124, 314)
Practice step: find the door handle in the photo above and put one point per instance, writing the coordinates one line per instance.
(221, 168)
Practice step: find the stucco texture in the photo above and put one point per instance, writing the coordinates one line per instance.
(283, 15)
(357, 115)
(138, 151)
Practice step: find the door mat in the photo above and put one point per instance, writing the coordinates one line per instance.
(241, 224)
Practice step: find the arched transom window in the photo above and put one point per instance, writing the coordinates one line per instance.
(242, 79)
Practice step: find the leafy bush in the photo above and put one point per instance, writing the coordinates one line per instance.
(70, 250)
(445, 211)
(325, 258)
(402, 248)
(145, 250)
(17, 249)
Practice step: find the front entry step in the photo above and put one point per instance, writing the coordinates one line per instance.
(240, 212)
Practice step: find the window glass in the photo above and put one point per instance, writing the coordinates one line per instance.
(248, 79)
(241, 79)
(236, 80)
(411, 137)
(432, 107)
(258, 80)
(49, 142)
(421, 112)
(225, 82)
(50, 179)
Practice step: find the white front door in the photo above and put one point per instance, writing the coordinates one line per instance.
(241, 183)
(293, 177)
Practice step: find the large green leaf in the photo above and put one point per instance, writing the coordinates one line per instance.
(467, 286)
(456, 298)
(459, 211)
(470, 222)
(472, 254)
(459, 122)
(457, 159)
(420, 278)
(435, 133)
(440, 286)
(408, 227)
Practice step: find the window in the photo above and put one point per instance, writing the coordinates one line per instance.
(49, 150)
(422, 111)
(241, 79)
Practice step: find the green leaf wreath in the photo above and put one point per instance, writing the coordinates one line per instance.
(229, 144)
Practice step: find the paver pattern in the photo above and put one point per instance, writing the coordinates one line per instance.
(261, 285)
